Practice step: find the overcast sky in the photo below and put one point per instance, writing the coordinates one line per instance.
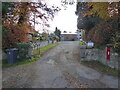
(65, 20)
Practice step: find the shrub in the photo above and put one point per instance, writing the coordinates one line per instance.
(116, 48)
(15, 34)
(100, 46)
(23, 49)
(83, 43)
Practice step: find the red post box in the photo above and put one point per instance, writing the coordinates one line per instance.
(108, 53)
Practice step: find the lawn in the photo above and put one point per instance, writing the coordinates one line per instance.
(101, 68)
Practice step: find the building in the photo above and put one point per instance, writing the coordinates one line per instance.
(68, 37)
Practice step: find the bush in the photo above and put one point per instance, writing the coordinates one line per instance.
(100, 46)
(23, 49)
(15, 34)
(83, 43)
(116, 48)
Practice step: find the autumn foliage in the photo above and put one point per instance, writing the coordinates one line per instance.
(102, 17)
(16, 34)
(18, 19)
(104, 10)
(102, 34)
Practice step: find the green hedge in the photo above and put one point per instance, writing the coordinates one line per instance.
(23, 49)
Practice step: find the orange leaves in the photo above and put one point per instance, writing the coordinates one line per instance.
(104, 10)
(16, 34)
(103, 34)
(87, 13)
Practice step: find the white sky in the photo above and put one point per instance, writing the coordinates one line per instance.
(65, 20)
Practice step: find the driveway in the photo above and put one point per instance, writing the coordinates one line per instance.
(59, 67)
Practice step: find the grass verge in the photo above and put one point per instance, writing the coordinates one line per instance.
(43, 49)
(26, 61)
(23, 61)
(101, 68)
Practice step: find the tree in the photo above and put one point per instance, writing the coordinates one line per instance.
(64, 31)
(45, 35)
(7, 8)
(17, 20)
(88, 23)
(104, 10)
(109, 12)
(100, 20)
(102, 35)
(84, 21)
(57, 33)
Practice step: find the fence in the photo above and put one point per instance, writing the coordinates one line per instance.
(37, 45)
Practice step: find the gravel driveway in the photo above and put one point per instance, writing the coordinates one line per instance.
(59, 67)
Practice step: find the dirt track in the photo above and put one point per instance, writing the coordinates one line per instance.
(60, 67)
